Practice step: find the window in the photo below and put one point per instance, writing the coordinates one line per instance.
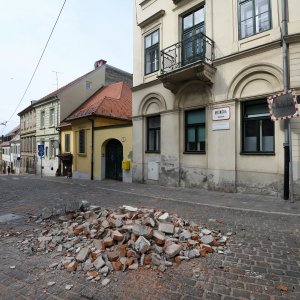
(52, 118)
(195, 130)
(153, 134)
(254, 17)
(88, 85)
(67, 142)
(43, 119)
(193, 46)
(258, 128)
(52, 149)
(82, 141)
(152, 52)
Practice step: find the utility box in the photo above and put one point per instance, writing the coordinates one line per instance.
(126, 164)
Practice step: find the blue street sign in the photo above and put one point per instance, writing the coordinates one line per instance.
(41, 150)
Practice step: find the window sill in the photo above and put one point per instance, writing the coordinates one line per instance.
(195, 152)
(148, 151)
(82, 154)
(258, 153)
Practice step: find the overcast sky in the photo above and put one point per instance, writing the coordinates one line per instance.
(87, 30)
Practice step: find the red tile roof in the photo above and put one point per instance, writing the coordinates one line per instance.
(114, 100)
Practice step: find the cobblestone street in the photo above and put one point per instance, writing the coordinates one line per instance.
(263, 260)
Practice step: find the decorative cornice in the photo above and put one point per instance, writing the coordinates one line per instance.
(176, 1)
(152, 19)
(145, 85)
(144, 2)
(293, 38)
(246, 53)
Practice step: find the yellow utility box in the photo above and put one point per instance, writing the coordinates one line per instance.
(126, 164)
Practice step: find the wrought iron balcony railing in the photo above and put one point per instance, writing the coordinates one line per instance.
(196, 48)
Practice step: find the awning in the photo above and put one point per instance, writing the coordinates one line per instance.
(67, 157)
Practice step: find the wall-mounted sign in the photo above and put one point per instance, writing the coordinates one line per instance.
(221, 113)
(220, 126)
(283, 106)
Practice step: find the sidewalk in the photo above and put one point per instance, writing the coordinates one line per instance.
(234, 201)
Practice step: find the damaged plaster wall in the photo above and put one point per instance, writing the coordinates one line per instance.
(169, 170)
(268, 184)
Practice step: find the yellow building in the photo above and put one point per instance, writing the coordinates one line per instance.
(96, 139)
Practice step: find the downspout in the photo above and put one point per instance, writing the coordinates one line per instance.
(288, 171)
(59, 132)
(92, 154)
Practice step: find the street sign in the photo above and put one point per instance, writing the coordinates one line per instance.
(283, 106)
(221, 113)
(41, 151)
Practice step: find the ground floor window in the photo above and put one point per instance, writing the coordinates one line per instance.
(67, 142)
(195, 131)
(257, 128)
(82, 141)
(153, 134)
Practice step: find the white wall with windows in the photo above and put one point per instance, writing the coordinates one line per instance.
(173, 127)
(46, 133)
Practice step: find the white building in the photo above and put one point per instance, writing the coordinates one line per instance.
(15, 154)
(202, 73)
(10, 139)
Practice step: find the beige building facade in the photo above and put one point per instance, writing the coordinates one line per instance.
(28, 140)
(202, 73)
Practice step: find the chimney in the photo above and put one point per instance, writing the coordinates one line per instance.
(99, 63)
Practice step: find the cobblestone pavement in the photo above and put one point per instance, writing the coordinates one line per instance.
(264, 253)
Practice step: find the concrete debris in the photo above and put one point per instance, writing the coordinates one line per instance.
(51, 283)
(98, 241)
(68, 286)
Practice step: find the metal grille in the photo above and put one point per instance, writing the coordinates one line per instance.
(196, 48)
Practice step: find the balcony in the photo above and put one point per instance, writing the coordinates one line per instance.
(190, 59)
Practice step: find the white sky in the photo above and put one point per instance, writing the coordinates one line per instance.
(87, 30)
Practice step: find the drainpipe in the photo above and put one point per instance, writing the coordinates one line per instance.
(59, 132)
(92, 155)
(288, 170)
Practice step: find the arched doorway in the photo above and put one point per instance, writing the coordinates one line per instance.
(113, 160)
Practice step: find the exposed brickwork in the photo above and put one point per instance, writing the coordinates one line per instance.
(113, 75)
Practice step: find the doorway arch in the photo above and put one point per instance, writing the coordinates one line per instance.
(113, 160)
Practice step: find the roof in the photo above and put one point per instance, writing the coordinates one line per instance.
(14, 131)
(114, 101)
(5, 144)
(63, 88)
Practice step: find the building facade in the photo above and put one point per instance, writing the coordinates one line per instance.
(10, 148)
(28, 140)
(97, 137)
(15, 154)
(202, 73)
(55, 107)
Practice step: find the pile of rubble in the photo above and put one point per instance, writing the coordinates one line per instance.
(99, 241)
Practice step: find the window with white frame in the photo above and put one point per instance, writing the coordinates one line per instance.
(254, 17)
(152, 52)
(52, 149)
(42, 119)
(52, 117)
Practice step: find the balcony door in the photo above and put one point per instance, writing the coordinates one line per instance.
(193, 44)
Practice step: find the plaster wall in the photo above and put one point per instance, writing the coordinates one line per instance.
(246, 69)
